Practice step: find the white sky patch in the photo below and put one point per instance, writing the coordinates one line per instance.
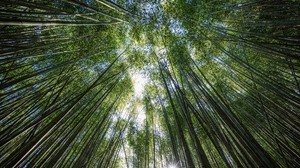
(134, 104)
(148, 10)
(192, 51)
(139, 82)
(176, 27)
(141, 116)
(172, 165)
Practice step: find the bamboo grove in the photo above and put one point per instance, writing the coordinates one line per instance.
(221, 83)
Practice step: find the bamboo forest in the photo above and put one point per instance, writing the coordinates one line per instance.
(150, 83)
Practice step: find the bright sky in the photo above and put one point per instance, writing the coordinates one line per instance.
(139, 81)
(172, 165)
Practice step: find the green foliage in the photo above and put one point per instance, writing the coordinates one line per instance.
(221, 83)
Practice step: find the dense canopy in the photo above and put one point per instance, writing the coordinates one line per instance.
(156, 83)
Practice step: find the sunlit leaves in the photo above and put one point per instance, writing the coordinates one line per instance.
(169, 83)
